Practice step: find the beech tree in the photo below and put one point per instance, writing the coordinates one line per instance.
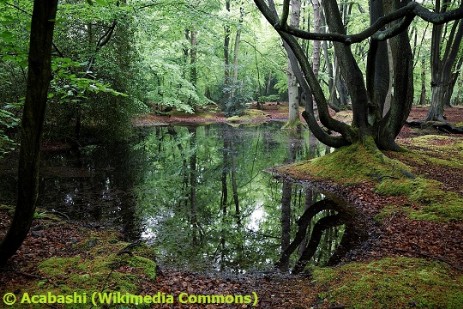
(38, 82)
(372, 118)
(446, 61)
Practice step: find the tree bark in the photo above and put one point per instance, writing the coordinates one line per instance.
(443, 65)
(226, 48)
(402, 101)
(38, 81)
(293, 90)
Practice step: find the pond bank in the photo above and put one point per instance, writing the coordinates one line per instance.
(411, 259)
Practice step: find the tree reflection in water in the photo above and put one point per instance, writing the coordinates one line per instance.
(200, 196)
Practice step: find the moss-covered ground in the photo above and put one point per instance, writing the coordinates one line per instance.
(415, 200)
(98, 262)
(390, 283)
(396, 174)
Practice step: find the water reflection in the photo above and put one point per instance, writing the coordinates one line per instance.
(200, 197)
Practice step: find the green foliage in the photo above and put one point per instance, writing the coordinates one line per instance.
(269, 98)
(8, 123)
(70, 88)
(234, 99)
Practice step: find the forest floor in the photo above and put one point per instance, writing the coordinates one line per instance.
(413, 256)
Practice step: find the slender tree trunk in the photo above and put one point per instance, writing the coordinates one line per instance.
(193, 56)
(38, 81)
(234, 183)
(316, 44)
(443, 63)
(401, 104)
(236, 50)
(224, 196)
(293, 90)
(423, 82)
(285, 220)
(226, 48)
(193, 181)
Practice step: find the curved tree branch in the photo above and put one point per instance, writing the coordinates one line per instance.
(394, 30)
(411, 10)
(284, 15)
(305, 76)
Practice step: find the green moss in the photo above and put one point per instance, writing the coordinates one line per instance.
(365, 163)
(387, 212)
(291, 125)
(7, 208)
(350, 165)
(433, 203)
(403, 186)
(249, 116)
(58, 266)
(144, 266)
(391, 283)
(94, 273)
(97, 268)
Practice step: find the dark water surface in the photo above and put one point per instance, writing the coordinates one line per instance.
(199, 195)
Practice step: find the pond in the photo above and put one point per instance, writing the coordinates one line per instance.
(199, 195)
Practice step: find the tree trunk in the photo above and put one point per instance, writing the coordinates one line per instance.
(234, 183)
(402, 101)
(193, 182)
(226, 48)
(377, 68)
(423, 83)
(38, 81)
(193, 56)
(293, 89)
(285, 220)
(316, 44)
(443, 64)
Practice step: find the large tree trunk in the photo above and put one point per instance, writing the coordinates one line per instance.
(377, 68)
(402, 101)
(38, 81)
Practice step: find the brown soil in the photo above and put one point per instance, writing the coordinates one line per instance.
(269, 111)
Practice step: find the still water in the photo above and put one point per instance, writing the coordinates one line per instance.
(199, 195)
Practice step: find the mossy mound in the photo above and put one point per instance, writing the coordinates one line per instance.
(249, 116)
(350, 165)
(359, 163)
(390, 283)
(104, 264)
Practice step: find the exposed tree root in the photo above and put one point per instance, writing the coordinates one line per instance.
(440, 126)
